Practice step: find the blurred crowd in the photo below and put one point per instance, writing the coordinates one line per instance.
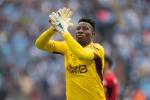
(26, 73)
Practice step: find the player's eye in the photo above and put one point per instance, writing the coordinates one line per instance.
(78, 28)
(85, 28)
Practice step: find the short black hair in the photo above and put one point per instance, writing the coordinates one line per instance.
(109, 60)
(88, 20)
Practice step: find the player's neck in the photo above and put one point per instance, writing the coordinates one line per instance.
(84, 44)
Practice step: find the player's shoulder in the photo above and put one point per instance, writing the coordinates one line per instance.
(98, 46)
(98, 50)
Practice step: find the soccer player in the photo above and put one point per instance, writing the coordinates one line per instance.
(84, 59)
(110, 81)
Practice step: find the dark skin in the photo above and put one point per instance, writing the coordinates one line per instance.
(84, 34)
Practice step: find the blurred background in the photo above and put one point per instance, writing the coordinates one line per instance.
(26, 73)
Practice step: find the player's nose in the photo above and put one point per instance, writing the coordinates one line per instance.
(80, 31)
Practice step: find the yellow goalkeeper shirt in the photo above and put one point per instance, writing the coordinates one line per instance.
(84, 74)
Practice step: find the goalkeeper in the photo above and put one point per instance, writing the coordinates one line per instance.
(83, 59)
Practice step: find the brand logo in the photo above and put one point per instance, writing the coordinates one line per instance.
(77, 69)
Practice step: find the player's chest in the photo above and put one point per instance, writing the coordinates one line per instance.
(74, 60)
(75, 65)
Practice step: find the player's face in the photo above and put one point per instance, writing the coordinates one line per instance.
(84, 33)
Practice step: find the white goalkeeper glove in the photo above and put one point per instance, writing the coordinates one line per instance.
(66, 14)
(54, 23)
(61, 20)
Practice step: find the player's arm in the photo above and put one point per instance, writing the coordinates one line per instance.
(77, 49)
(43, 42)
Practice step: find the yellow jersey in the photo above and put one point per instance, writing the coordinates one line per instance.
(84, 74)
